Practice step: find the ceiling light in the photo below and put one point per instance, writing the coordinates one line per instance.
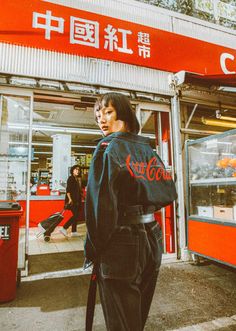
(144, 96)
(228, 118)
(84, 146)
(23, 81)
(54, 129)
(42, 144)
(50, 84)
(80, 108)
(227, 89)
(17, 143)
(148, 135)
(104, 90)
(81, 88)
(42, 153)
(3, 79)
(49, 145)
(219, 123)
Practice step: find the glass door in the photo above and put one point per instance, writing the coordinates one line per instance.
(15, 157)
(155, 124)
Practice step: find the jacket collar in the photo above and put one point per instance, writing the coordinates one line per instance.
(127, 136)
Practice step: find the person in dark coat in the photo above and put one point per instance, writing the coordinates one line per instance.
(73, 200)
(127, 183)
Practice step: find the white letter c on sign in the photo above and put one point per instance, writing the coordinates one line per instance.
(223, 58)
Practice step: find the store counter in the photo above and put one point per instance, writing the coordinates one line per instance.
(47, 197)
(41, 207)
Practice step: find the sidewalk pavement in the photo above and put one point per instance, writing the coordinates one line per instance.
(187, 298)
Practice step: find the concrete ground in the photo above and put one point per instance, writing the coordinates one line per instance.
(187, 298)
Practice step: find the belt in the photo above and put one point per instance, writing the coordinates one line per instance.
(136, 219)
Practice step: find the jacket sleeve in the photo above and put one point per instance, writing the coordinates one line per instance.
(101, 203)
(69, 185)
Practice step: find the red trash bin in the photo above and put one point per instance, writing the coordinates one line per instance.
(10, 213)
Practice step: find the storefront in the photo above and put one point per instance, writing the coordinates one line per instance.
(210, 163)
(53, 66)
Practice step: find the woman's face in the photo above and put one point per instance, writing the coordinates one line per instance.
(76, 172)
(107, 121)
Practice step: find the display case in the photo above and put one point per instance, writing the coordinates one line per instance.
(211, 197)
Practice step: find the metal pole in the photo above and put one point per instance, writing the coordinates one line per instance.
(172, 172)
(180, 206)
(198, 132)
(25, 273)
(191, 116)
(139, 117)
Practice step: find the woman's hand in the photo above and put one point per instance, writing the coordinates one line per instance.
(70, 202)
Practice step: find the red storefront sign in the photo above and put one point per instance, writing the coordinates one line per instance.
(43, 25)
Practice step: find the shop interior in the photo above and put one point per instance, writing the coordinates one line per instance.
(64, 133)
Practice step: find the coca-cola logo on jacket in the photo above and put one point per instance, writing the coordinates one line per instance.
(153, 170)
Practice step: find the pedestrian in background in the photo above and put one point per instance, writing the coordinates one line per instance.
(127, 183)
(73, 200)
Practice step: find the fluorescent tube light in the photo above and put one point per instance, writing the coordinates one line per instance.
(23, 81)
(148, 135)
(50, 153)
(227, 89)
(228, 118)
(54, 129)
(224, 124)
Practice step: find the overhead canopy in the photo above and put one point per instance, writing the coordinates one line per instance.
(209, 117)
(222, 81)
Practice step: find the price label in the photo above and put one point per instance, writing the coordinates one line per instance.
(211, 143)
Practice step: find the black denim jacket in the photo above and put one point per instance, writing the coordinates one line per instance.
(125, 171)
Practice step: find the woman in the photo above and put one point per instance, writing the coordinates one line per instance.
(73, 200)
(127, 183)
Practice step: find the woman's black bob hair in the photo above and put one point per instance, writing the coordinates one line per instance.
(123, 109)
(73, 168)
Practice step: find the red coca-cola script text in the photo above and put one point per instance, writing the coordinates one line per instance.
(152, 170)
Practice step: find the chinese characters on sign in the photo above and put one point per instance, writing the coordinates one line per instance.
(67, 30)
(88, 33)
(144, 44)
(48, 24)
(84, 32)
(111, 41)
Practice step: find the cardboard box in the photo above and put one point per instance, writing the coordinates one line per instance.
(225, 213)
(206, 211)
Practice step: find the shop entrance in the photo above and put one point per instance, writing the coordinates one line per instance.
(46, 133)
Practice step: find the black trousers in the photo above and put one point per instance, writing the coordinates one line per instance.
(74, 219)
(127, 276)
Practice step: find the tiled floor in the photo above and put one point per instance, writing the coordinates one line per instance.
(58, 243)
